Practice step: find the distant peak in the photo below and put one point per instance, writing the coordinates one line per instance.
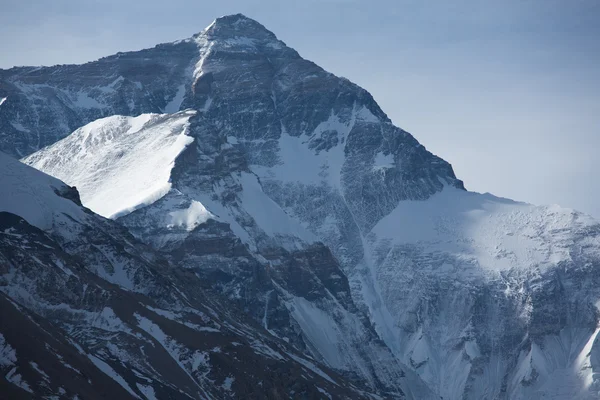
(236, 25)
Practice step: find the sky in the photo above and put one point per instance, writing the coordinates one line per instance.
(507, 91)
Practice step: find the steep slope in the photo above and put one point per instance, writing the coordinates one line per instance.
(294, 288)
(329, 222)
(489, 298)
(88, 311)
(44, 104)
(131, 159)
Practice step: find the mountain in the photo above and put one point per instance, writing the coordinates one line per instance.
(89, 312)
(289, 192)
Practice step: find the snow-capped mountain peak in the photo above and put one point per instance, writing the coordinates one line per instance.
(296, 198)
(237, 26)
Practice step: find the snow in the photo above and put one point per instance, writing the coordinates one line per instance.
(118, 163)
(223, 213)
(17, 379)
(316, 167)
(8, 355)
(262, 348)
(228, 383)
(107, 320)
(267, 214)
(31, 195)
(383, 161)
(175, 103)
(363, 114)
(194, 362)
(239, 41)
(320, 330)
(119, 274)
(312, 367)
(147, 391)
(39, 371)
(324, 392)
(83, 100)
(8, 358)
(561, 367)
(465, 238)
(107, 369)
(2, 100)
(190, 217)
(496, 234)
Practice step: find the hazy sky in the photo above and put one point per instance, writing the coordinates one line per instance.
(508, 91)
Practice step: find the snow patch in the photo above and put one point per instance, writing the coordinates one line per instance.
(83, 100)
(39, 371)
(147, 391)
(228, 383)
(17, 379)
(383, 161)
(8, 355)
(107, 369)
(175, 104)
(189, 218)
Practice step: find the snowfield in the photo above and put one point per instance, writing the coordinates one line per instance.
(118, 163)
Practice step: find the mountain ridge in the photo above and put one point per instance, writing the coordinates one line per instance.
(340, 233)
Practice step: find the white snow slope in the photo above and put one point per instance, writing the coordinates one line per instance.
(32, 195)
(118, 163)
(458, 244)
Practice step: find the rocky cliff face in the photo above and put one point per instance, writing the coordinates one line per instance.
(88, 310)
(289, 191)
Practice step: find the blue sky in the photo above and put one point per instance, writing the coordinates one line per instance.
(507, 91)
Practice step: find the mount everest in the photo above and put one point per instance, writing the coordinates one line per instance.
(248, 181)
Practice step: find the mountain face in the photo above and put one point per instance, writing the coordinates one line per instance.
(89, 311)
(287, 192)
